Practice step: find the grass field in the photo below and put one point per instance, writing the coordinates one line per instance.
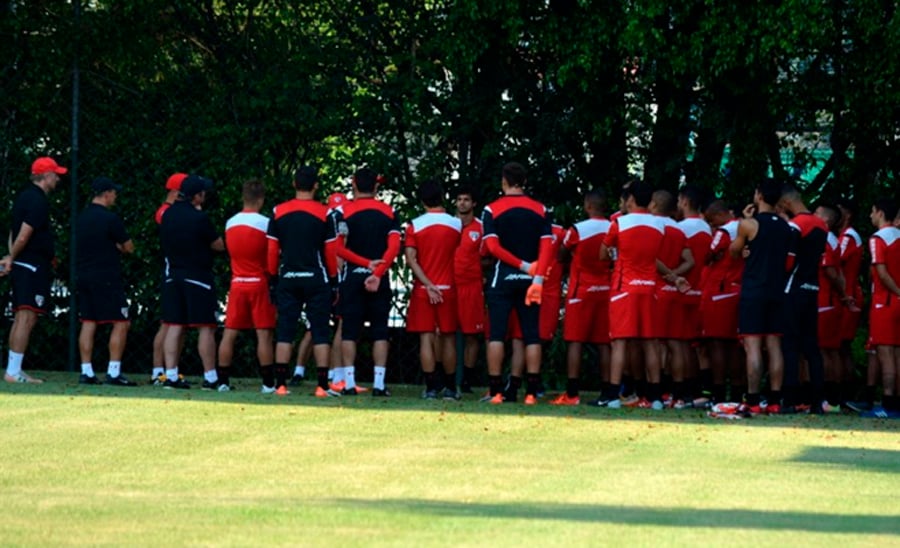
(146, 466)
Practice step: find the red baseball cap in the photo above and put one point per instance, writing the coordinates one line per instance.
(175, 180)
(45, 164)
(336, 199)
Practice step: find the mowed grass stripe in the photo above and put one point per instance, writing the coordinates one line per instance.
(151, 467)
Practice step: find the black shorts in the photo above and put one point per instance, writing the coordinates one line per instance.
(761, 315)
(31, 286)
(291, 297)
(501, 300)
(189, 301)
(358, 306)
(102, 301)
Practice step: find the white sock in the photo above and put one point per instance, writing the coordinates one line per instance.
(14, 364)
(172, 374)
(338, 374)
(350, 375)
(379, 377)
(157, 371)
(114, 369)
(87, 369)
(330, 375)
(211, 375)
(299, 370)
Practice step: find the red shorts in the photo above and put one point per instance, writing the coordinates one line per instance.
(587, 318)
(249, 307)
(668, 312)
(690, 327)
(850, 320)
(829, 327)
(470, 308)
(632, 316)
(884, 324)
(719, 314)
(422, 316)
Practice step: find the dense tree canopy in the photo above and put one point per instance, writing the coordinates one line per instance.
(585, 92)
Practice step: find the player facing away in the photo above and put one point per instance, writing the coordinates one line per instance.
(469, 279)
(517, 233)
(587, 304)
(29, 262)
(637, 237)
(101, 290)
(302, 253)
(158, 376)
(802, 300)
(189, 242)
(371, 243)
(851, 247)
(719, 303)
(763, 238)
(884, 314)
(431, 242)
(249, 305)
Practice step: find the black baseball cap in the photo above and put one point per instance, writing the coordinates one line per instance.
(194, 184)
(102, 184)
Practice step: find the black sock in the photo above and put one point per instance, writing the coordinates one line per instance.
(775, 397)
(534, 381)
(805, 395)
(627, 385)
(495, 384)
(267, 372)
(640, 388)
(512, 388)
(611, 391)
(833, 393)
(450, 381)
(654, 391)
(438, 379)
(572, 388)
(666, 384)
(469, 375)
(677, 391)
(870, 394)
(281, 374)
(224, 374)
(429, 382)
(889, 403)
(751, 399)
(706, 380)
(718, 393)
(322, 377)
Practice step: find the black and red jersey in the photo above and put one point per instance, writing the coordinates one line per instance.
(302, 241)
(515, 228)
(808, 245)
(370, 231)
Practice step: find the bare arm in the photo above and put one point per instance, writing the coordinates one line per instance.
(217, 245)
(740, 241)
(126, 247)
(604, 253)
(434, 293)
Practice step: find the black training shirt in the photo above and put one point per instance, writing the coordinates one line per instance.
(31, 206)
(99, 230)
(185, 235)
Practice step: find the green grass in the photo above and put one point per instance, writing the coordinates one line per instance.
(146, 466)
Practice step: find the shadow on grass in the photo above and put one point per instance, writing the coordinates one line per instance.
(874, 460)
(640, 515)
(408, 398)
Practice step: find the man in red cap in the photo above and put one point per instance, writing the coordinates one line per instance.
(29, 261)
(158, 376)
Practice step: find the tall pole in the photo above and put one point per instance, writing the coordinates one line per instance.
(73, 202)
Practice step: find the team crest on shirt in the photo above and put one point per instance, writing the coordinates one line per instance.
(473, 235)
(39, 300)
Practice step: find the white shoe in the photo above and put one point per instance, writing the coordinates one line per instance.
(657, 405)
(267, 389)
(22, 377)
(614, 404)
(224, 388)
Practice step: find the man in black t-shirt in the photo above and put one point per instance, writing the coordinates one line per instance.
(189, 241)
(102, 238)
(29, 262)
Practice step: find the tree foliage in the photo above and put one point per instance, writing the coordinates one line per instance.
(584, 92)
